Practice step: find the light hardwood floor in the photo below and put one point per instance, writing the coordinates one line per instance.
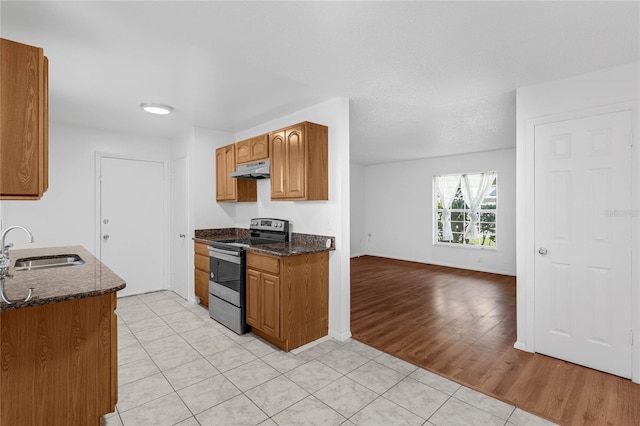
(462, 325)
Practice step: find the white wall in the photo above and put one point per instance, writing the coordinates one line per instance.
(358, 234)
(399, 211)
(313, 217)
(611, 89)
(66, 213)
(182, 256)
(199, 146)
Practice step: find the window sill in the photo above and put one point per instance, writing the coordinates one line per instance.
(465, 246)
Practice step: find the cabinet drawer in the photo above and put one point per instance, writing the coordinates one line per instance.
(202, 286)
(263, 262)
(202, 249)
(201, 263)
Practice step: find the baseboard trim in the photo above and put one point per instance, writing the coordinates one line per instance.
(447, 265)
(309, 345)
(340, 336)
(521, 346)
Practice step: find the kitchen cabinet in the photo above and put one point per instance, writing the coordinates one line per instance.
(253, 149)
(59, 362)
(299, 162)
(228, 188)
(201, 272)
(24, 122)
(287, 297)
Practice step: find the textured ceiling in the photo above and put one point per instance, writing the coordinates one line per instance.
(423, 78)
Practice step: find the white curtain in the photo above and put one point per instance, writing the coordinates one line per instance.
(475, 188)
(447, 188)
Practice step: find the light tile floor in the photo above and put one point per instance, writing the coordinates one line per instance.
(179, 367)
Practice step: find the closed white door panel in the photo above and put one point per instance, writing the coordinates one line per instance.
(583, 264)
(132, 222)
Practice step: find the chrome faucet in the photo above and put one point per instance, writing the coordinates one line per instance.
(5, 261)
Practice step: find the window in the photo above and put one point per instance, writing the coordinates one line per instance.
(466, 209)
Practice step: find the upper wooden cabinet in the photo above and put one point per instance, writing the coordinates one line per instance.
(24, 118)
(228, 188)
(251, 150)
(299, 162)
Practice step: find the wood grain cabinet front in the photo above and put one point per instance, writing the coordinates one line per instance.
(59, 363)
(230, 189)
(201, 272)
(24, 121)
(299, 162)
(253, 149)
(287, 297)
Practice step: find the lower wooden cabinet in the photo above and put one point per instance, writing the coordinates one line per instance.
(201, 272)
(287, 297)
(59, 363)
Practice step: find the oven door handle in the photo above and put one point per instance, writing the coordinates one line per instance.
(227, 255)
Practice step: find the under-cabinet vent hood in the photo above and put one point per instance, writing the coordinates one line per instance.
(258, 170)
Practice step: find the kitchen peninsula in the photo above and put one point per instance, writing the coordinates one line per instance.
(58, 357)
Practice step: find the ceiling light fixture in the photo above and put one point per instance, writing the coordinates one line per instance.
(156, 108)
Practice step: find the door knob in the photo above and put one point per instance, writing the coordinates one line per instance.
(182, 236)
(542, 251)
(105, 237)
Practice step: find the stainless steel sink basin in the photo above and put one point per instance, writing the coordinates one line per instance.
(42, 262)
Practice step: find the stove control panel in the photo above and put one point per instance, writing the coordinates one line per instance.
(277, 225)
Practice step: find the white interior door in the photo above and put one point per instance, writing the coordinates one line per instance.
(583, 240)
(132, 222)
(180, 237)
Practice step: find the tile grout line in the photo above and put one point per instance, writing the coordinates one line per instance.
(244, 343)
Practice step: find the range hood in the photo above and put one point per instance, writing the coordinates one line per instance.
(258, 170)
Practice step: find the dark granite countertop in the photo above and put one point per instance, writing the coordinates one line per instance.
(299, 244)
(58, 284)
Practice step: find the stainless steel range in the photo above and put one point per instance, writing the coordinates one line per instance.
(227, 277)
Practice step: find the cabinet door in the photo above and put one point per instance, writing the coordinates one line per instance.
(243, 151)
(295, 163)
(45, 138)
(221, 180)
(278, 162)
(270, 321)
(23, 160)
(230, 162)
(228, 188)
(259, 148)
(253, 298)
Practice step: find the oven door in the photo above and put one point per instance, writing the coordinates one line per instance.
(227, 268)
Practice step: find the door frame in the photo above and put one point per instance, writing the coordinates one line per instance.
(166, 224)
(526, 226)
(189, 230)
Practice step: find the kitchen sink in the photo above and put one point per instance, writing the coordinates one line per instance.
(53, 261)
